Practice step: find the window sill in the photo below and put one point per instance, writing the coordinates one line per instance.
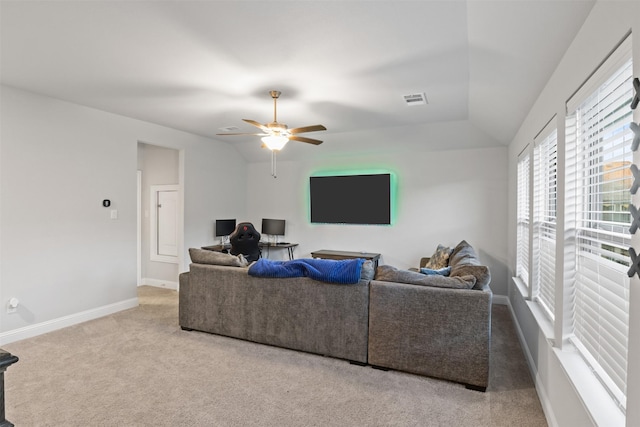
(602, 408)
(599, 404)
(524, 291)
(544, 323)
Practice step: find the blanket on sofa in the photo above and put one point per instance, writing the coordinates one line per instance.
(345, 271)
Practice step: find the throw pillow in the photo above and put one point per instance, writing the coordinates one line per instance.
(464, 261)
(463, 254)
(202, 256)
(440, 258)
(367, 271)
(440, 271)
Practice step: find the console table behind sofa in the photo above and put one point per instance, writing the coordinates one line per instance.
(329, 254)
(268, 246)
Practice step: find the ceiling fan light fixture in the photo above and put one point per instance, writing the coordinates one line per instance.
(275, 142)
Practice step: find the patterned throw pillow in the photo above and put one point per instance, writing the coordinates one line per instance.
(439, 259)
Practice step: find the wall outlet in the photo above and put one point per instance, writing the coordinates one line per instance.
(12, 305)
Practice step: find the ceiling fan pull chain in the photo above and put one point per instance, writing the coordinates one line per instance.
(273, 163)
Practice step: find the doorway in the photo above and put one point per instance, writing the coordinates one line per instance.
(160, 216)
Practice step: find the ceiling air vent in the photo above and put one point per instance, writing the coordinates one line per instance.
(415, 99)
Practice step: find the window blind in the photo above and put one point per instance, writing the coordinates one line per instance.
(598, 181)
(544, 219)
(522, 253)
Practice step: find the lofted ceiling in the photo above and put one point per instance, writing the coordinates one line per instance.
(200, 66)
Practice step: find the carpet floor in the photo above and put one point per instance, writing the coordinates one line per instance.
(138, 368)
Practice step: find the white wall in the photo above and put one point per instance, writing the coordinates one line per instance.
(62, 255)
(443, 197)
(605, 27)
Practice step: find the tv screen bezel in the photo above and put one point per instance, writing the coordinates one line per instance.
(378, 198)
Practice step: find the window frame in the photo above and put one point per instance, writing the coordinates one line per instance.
(523, 217)
(545, 218)
(598, 285)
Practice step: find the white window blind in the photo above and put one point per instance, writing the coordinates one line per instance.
(545, 170)
(598, 181)
(522, 254)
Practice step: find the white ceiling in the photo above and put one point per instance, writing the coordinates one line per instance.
(199, 66)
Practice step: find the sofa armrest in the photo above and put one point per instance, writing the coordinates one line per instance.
(438, 332)
(423, 263)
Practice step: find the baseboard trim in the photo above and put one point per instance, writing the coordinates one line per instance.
(545, 402)
(159, 283)
(65, 321)
(547, 408)
(500, 299)
(523, 343)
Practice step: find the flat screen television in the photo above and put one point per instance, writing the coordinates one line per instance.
(225, 227)
(350, 199)
(273, 227)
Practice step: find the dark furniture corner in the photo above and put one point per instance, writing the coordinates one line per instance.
(6, 359)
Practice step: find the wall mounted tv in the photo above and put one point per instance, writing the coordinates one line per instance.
(351, 199)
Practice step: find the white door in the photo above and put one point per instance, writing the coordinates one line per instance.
(167, 223)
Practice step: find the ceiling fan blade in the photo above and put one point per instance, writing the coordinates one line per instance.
(256, 124)
(313, 128)
(256, 134)
(307, 140)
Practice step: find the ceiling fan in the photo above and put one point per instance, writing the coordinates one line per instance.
(276, 135)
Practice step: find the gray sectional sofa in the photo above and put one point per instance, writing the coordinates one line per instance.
(440, 329)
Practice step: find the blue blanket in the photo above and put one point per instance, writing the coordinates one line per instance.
(345, 271)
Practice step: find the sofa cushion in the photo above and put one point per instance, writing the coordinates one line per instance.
(464, 261)
(203, 256)
(440, 258)
(387, 273)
